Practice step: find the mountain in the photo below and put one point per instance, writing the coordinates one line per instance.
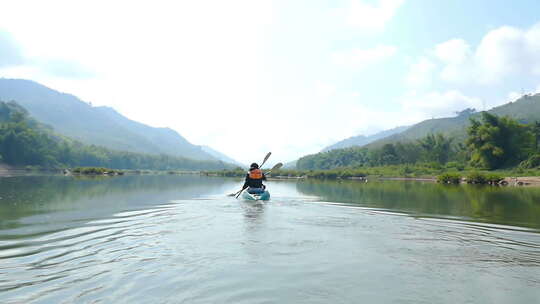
(525, 109)
(221, 156)
(290, 165)
(362, 140)
(102, 126)
(27, 142)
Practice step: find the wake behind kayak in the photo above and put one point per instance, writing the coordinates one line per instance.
(264, 196)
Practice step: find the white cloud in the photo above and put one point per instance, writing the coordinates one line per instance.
(437, 104)
(209, 68)
(503, 52)
(455, 54)
(194, 66)
(512, 96)
(12, 59)
(10, 53)
(420, 73)
(325, 90)
(454, 51)
(371, 17)
(361, 58)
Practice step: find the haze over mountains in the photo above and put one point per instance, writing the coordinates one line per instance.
(362, 140)
(221, 156)
(525, 110)
(102, 126)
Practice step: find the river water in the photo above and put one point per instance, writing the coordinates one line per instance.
(179, 239)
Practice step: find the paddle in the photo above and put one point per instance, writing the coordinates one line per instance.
(264, 161)
(275, 167)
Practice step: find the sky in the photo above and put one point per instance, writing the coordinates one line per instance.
(288, 76)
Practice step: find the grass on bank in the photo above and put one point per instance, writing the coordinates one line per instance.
(452, 172)
(96, 171)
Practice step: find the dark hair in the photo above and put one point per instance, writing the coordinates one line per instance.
(254, 166)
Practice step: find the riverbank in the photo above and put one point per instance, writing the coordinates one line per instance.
(499, 177)
(7, 171)
(507, 181)
(516, 176)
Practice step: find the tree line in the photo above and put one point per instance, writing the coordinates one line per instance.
(492, 142)
(26, 142)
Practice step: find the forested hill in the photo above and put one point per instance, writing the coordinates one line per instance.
(26, 142)
(526, 110)
(102, 126)
(361, 140)
(505, 136)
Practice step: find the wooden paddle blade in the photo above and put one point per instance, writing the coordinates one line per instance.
(265, 159)
(234, 194)
(240, 193)
(277, 166)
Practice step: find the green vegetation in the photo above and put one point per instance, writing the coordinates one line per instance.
(473, 177)
(449, 178)
(419, 171)
(492, 143)
(100, 126)
(532, 162)
(25, 142)
(432, 151)
(493, 204)
(96, 171)
(525, 110)
(498, 141)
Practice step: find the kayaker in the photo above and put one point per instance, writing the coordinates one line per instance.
(254, 179)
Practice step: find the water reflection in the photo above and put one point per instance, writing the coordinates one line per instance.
(253, 212)
(179, 239)
(508, 206)
(30, 203)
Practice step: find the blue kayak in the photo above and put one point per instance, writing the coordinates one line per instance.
(256, 197)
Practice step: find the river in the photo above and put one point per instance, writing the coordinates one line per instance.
(179, 239)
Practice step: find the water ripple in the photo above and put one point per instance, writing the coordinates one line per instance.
(292, 249)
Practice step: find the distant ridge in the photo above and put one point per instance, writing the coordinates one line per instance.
(221, 156)
(290, 165)
(526, 109)
(362, 140)
(102, 126)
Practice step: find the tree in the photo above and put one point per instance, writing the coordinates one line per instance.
(24, 141)
(388, 155)
(536, 134)
(467, 112)
(498, 141)
(436, 148)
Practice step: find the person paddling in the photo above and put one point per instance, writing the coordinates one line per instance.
(254, 179)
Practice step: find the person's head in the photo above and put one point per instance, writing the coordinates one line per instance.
(253, 166)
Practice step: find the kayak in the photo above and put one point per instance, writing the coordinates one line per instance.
(256, 197)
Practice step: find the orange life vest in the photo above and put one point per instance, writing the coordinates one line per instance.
(255, 174)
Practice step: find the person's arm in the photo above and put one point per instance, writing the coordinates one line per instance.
(264, 177)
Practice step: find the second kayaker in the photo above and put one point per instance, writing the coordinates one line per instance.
(254, 179)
